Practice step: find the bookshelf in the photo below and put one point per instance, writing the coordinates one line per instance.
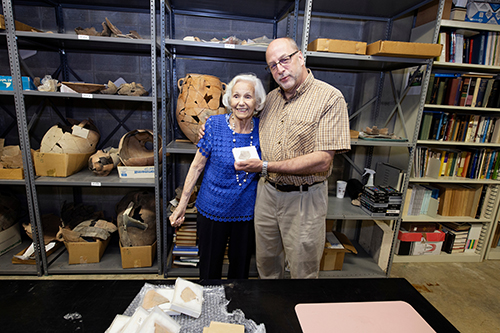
(461, 121)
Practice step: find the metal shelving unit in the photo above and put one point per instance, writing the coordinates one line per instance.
(361, 265)
(61, 44)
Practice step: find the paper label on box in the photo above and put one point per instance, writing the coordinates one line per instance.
(80, 131)
(245, 153)
(333, 240)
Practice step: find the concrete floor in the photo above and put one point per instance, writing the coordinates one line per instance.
(467, 294)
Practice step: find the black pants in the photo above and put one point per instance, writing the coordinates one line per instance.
(212, 239)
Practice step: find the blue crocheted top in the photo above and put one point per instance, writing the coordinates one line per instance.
(220, 197)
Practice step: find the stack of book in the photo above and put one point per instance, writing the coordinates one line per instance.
(421, 200)
(456, 89)
(374, 201)
(481, 163)
(185, 256)
(394, 200)
(379, 201)
(186, 235)
(459, 199)
(185, 251)
(456, 236)
(470, 47)
(445, 126)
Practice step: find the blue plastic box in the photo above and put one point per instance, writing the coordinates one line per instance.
(6, 83)
(483, 12)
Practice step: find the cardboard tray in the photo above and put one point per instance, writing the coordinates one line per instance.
(12, 173)
(84, 88)
(58, 165)
(404, 49)
(32, 261)
(337, 46)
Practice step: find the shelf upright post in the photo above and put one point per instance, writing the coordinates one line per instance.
(306, 27)
(154, 109)
(165, 93)
(29, 177)
(412, 148)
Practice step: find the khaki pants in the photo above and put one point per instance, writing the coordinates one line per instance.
(290, 224)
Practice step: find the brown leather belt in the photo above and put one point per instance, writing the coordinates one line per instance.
(291, 188)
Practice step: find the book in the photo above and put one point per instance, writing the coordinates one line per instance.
(443, 83)
(453, 91)
(473, 237)
(494, 94)
(425, 126)
(408, 198)
(481, 91)
(388, 175)
(470, 91)
(464, 91)
(487, 93)
(430, 88)
(475, 93)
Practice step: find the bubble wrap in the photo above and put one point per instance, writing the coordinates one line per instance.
(214, 309)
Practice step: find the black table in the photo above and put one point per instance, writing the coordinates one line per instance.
(40, 305)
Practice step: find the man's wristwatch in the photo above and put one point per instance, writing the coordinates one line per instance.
(264, 169)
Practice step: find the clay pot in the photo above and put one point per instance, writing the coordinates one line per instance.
(136, 148)
(200, 97)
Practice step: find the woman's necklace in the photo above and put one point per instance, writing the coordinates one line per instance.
(234, 142)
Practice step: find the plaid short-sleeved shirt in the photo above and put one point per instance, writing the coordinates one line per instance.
(314, 119)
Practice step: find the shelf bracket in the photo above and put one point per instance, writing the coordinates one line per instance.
(351, 162)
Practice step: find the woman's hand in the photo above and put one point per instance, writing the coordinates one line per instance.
(177, 217)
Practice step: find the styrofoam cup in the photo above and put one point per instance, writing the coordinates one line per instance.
(341, 185)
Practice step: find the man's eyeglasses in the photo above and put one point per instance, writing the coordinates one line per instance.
(285, 61)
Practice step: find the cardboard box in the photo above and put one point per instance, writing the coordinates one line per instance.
(9, 238)
(136, 171)
(333, 259)
(19, 25)
(337, 46)
(6, 83)
(86, 252)
(428, 13)
(138, 256)
(419, 243)
(458, 14)
(12, 173)
(404, 49)
(59, 165)
(483, 12)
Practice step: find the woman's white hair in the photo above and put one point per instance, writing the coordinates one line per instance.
(260, 93)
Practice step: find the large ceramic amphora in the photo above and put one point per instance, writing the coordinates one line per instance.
(200, 97)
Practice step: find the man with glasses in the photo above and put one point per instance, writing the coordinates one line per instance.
(302, 126)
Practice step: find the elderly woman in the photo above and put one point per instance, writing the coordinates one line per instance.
(226, 198)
